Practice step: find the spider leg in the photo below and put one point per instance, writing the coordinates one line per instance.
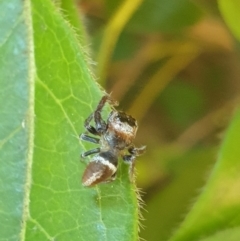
(96, 115)
(100, 123)
(90, 128)
(90, 152)
(89, 138)
(131, 158)
(137, 151)
(128, 158)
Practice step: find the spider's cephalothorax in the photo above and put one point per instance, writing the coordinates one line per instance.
(121, 130)
(116, 137)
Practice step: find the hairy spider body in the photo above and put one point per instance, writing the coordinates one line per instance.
(116, 137)
(121, 130)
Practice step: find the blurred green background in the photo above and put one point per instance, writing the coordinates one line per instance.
(174, 66)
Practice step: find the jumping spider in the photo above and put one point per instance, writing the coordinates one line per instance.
(115, 138)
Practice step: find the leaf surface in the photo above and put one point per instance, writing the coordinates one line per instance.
(49, 94)
(15, 115)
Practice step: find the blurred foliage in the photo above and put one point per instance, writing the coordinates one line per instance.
(174, 66)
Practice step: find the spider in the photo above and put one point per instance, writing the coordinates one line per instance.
(115, 139)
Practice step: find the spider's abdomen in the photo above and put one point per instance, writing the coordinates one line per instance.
(100, 169)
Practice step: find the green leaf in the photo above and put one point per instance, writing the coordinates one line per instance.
(72, 14)
(231, 234)
(218, 206)
(14, 112)
(46, 93)
(230, 13)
